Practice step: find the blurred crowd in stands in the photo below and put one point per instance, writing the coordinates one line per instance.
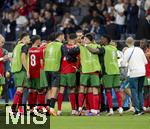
(117, 18)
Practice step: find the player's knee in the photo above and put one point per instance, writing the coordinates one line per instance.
(82, 89)
(72, 90)
(95, 90)
(90, 90)
(62, 89)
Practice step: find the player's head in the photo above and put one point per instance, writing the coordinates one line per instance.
(51, 37)
(60, 36)
(2, 40)
(36, 40)
(88, 38)
(79, 34)
(130, 41)
(72, 38)
(25, 38)
(143, 44)
(105, 40)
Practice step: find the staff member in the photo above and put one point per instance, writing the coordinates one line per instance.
(137, 72)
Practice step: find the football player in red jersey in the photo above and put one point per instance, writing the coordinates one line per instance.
(38, 81)
(146, 48)
(69, 66)
(42, 49)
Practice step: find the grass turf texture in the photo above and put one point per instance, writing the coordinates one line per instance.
(127, 121)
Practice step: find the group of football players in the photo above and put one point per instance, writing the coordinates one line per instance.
(42, 70)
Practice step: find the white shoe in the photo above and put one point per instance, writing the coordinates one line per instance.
(59, 113)
(80, 109)
(94, 111)
(98, 112)
(74, 112)
(120, 110)
(111, 112)
(80, 113)
(144, 108)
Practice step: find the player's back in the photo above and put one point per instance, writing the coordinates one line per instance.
(34, 62)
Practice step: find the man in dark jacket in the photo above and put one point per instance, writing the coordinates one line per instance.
(132, 17)
(111, 30)
(48, 26)
(144, 28)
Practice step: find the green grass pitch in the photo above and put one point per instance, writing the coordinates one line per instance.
(127, 121)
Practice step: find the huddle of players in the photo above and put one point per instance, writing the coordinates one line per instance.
(47, 68)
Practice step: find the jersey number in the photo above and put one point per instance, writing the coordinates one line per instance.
(33, 60)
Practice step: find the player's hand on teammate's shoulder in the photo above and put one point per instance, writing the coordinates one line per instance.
(6, 57)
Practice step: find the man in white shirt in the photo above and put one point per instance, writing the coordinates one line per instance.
(120, 17)
(136, 60)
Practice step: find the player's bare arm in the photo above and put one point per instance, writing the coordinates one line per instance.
(92, 50)
(42, 62)
(4, 58)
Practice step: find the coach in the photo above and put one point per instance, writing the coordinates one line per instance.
(136, 60)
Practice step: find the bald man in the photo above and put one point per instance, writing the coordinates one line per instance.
(136, 60)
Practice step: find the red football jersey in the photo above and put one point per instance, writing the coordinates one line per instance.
(42, 49)
(34, 62)
(69, 67)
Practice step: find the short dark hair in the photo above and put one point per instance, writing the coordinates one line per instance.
(57, 34)
(35, 38)
(107, 37)
(79, 31)
(72, 36)
(51, 37)
(89, 36)
(24, 34)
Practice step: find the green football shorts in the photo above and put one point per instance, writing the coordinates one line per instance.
(20, 79)
(88, 79)
(147, 81)
(111, 81)
(39, 83)
(68, 79)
